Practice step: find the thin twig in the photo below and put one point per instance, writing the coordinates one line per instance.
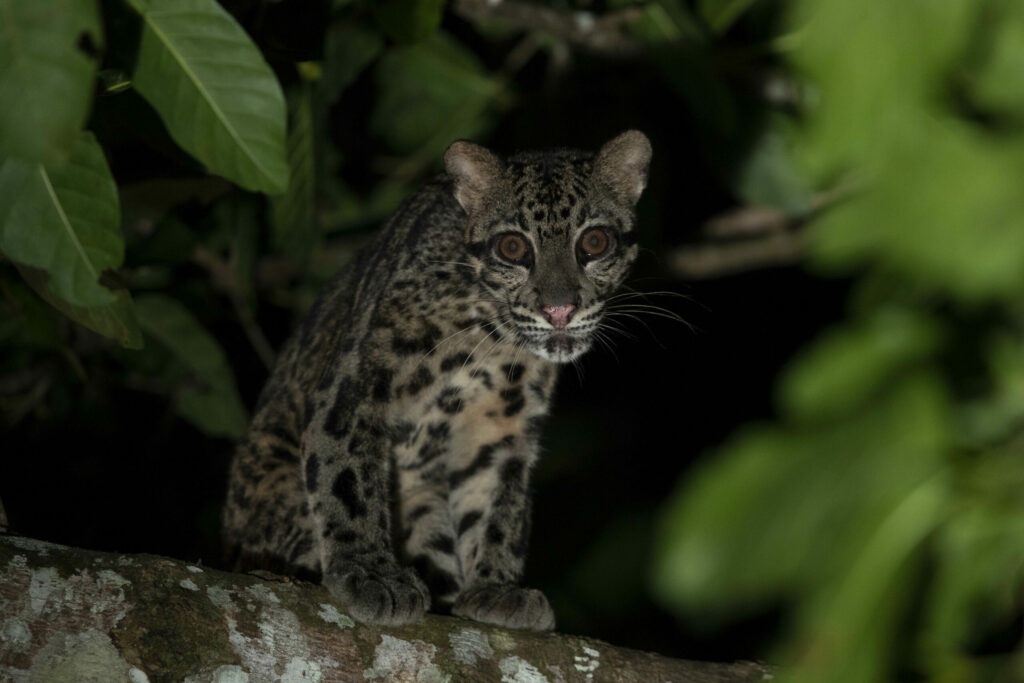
(224, 278)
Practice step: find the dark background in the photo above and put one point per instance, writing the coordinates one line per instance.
(101, 463)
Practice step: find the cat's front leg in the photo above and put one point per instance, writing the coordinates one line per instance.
(347, 473)
(491, 511)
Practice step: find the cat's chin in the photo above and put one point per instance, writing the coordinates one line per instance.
(559, 347)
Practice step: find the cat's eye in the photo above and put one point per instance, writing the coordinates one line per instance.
(595, 242)
(513, 248)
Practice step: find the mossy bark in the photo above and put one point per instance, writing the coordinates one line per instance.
(76, 615)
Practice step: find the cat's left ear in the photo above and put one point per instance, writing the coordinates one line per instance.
(476, 172)
(622, 165)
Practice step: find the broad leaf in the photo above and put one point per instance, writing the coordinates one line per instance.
(49, 51)
(64, 220)
(33, 316)
(348, 50)
(292, 213)
(768, 177)
(430, 94)
(864, 607)
(115, 320)
(848, 366)
(981, 567)
(213, 405)
(1004, 65)
(213, 90)
(409, 20)
(721, 14)
(783, 510)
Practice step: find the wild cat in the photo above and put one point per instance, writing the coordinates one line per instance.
(391, 449)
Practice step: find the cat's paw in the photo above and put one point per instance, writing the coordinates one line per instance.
(506, 605)
(391, 598)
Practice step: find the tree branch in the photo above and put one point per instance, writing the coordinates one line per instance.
(72, 614)
(751, 237)
(596, 33)
(769, 239)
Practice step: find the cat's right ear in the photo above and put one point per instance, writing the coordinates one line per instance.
(476, 171)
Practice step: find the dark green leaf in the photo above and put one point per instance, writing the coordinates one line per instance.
(996, 416)
(768, 177)
(49, 52)
(213, 90)
(213, 405)
(116, 319)
(680, 50)
(348, 49)
(61, 227)
(720, 14)
(430, 94)
(292, 213)
(409, 20)
(36, 318)
(980, 569)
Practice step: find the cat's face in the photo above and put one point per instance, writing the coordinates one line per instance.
(551, 238)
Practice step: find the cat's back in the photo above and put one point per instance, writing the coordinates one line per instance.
(414, 259)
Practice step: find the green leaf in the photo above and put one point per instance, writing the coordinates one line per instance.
(789, 511)
(407, 21)
(847, 366)
(213, 406)
(961, 231)
(48, 59)
(980, 568)
(996, 416)
(769, 178)
(721, 14)
(213, 90)
(292, 213)
(1005, 64)
(116, 319)
(65, 220)
(348, 50)
(35, 317)
(679, 47)
(430, 94)
(863, 609)
(847, 125)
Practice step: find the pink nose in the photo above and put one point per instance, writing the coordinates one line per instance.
(558, 315)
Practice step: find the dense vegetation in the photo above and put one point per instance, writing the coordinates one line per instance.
(179, 177)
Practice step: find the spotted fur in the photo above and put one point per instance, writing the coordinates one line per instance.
(390, 452)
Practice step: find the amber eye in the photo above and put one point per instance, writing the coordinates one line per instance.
(513, 247)
(595, 242)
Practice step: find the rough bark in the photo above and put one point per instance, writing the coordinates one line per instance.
(77, 615)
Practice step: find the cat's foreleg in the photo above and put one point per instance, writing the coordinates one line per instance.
(347, 473)
(491, 512)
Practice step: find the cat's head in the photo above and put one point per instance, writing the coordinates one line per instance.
(551, 235)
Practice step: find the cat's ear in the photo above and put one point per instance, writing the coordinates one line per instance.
(622, 163)
(476, 172)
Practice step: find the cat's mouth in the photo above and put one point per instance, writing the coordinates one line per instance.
(560, 346)
(553, 340)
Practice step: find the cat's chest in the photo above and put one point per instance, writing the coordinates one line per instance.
(455, 402)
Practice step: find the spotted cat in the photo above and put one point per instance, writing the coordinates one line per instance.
(390, 451)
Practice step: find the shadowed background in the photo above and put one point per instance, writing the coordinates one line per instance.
(763, 228)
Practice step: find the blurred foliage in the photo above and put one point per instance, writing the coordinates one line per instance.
(179, 179)
(885, 506)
